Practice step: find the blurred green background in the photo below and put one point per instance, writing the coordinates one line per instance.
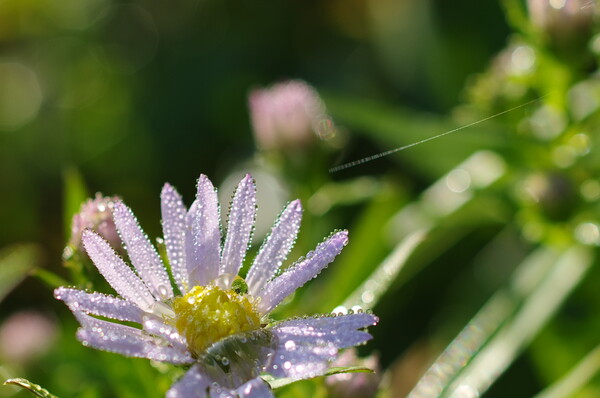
(119, 97)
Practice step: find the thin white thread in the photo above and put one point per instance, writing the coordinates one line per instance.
(588, 4)
(392, 151)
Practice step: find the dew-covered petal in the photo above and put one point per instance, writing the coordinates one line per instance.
(203, 235)
(142, 253)
(255, 388)
(192, 385)
(320, 323)
(116, 272)
(239, 226)
(173, 224)
(127, 341)
(298, 357)
(99, 304)
(169, 333)
(301, 272)
(305, 346)
(276, 247)
(236, 359)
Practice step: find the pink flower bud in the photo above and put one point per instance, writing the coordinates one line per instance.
(288, 115)
(95, 214)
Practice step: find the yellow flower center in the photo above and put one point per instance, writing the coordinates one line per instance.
(207, 314)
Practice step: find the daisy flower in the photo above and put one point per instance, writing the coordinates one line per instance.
(214, 321)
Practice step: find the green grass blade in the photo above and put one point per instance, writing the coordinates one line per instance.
(33, 388)
(577, 377)
(505, 325)
(75, 193)
(412, 224)
(369, 292)
(538, 308)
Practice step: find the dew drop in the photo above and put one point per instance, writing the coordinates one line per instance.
(290, 345)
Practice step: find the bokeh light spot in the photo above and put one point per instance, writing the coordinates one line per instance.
(20, 95)
(458, 180)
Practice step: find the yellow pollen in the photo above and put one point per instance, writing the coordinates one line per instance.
(207, 314)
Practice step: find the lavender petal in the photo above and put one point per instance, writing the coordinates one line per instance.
(301, 272)
(173, 224)
(305, 346)
(116, 272)
(99, 304)
(127, 341)
(239, 226)
(255, 388)
(276, 248)
(339, 323)
(142, 253)
(193, 385)
(203, 235)
(169, 333)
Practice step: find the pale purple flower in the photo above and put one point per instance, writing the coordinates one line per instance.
(219, 324)
(288, 115)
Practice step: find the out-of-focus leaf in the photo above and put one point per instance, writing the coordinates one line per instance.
(49, 278)
(395, 127)
(576, 378)
(33, 388)
(357, 260)
(505, 325)
(74, 195)
(409, 227)
(16, 262)
(369, 292)
(278, 383)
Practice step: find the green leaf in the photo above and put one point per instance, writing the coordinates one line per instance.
(576, 378)
(33, 388)
(278, 383)
(16, 262)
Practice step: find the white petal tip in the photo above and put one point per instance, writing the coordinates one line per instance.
(58, 292)
(296, 205)
(341, 237)
(167, 188)
(120, 207)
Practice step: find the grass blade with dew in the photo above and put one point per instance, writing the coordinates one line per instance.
(411, 225)
(369, 292)
(505, 325)
(36, 390)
